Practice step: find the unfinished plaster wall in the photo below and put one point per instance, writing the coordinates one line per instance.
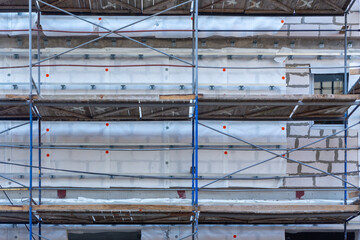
(303, 133)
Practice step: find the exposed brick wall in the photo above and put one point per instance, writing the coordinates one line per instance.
(321, 23)
(300, 134)
(297, 80)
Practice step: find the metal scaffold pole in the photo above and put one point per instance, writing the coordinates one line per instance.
(193, 128)
(193, 116)
(195, 121)
(196, 125)
(31, 119)
(39, 176)
(193, 171)
(345, 91)
(38, 26)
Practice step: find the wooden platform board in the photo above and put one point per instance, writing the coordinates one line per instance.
(166, 214)
(177, 107)
(223, 7)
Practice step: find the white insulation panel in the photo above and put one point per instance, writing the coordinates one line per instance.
(16, 21)
(157, 163)
(153, 232)
(138, 79)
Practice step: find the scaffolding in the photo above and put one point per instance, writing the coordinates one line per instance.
(203, 108)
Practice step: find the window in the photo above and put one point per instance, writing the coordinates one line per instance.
(328, 83)
(319, 236)
(131, 235)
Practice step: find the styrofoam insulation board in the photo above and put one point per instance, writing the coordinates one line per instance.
(126, 52)
(151, 232)
(139, 78)
(157, 163)
(10, 21)
(175, 232)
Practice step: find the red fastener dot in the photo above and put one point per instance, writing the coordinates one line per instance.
(283, 77)
(47, 130)
(234, 236)
(283, 155)
(140, 210)
(107, 152)
(224, 69)
(106, 69)
(224, 127)
(191, 18)
(100, 18)
(283, 128)
(107, 124)
(225, 152)
(282, 21)
(48, 155)
(47, 75)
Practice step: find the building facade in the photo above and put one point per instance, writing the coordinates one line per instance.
(133, 154)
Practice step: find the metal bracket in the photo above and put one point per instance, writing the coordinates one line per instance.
(254, 43)
(113, 42)
(46, 42)
(19, 42)
(68, 42)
